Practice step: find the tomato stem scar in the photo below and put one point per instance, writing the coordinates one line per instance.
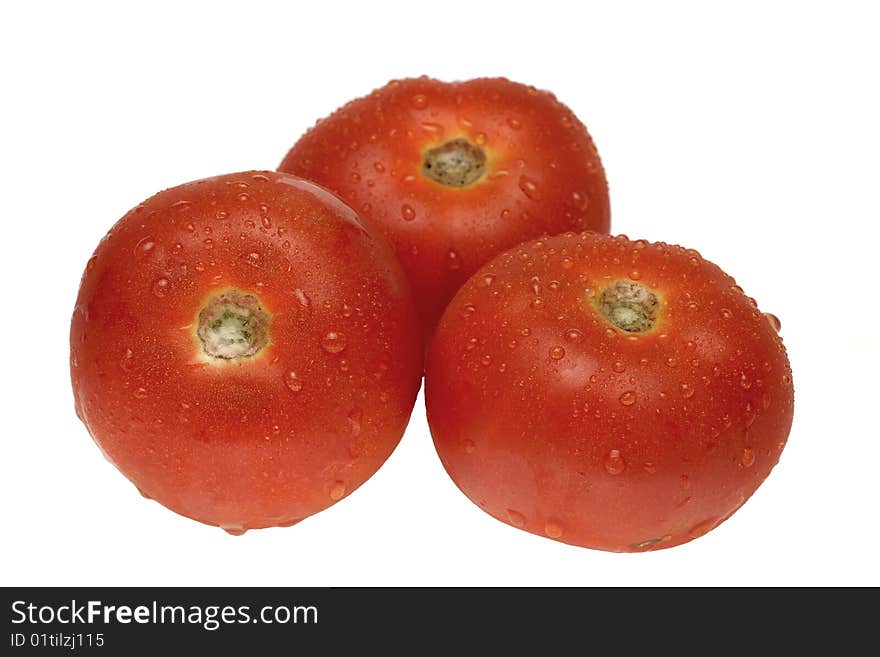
(457, 163)
(233, 325)
(629, 306)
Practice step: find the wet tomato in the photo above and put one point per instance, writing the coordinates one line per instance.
(454, 173)
(607, 393)
(244, 350)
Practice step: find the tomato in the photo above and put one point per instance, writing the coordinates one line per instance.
(454, 173)
(607, 393)
(244, 350)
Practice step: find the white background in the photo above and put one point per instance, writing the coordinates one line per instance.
(750, 133)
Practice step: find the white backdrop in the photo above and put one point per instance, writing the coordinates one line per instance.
(751, 134)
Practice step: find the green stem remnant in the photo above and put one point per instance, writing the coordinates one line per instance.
(233, 325)
(630, 306)
(457, 163)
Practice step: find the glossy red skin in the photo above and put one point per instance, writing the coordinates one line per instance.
(529, 437)
(370, 152)
(233, 445)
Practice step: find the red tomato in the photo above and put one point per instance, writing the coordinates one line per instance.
(244, 350)
(454, 173)
(612, 394)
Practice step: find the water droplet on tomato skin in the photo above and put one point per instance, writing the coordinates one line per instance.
(747, 458)
(407, 212)
(557, 353)
(452, 261)
(554, 529)
(628, 398)
(234, 531)
(127, 361)
(516, 518)
(651, 542)
(619, 366)
(774, 321)
(469, 446)
(337, 491)
(614, 462)
(303, 299)
(333, 342)
(144, 247)
(419, 101)
(530, 188)
(702, 528)
(160, 287)
(292, 381)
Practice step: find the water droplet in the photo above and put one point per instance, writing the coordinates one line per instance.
(379, 167)
(580, 200)
(744, 381)
(619, 366)
(337, 491)
(452, 260)
(750, 415)
(516, 518)
(144, 247)
(702, 528)
(614, 462)
(333, 342)
(628, 398)
(765, 400)
(485, 360)
(515, 124)
(774, 321)
(160, 287)
(127, 362)
(726, 313)
(747, 458)
(265, 221)
(407, 212)
(234, 531)
(573, 335)
(530, 188)
(671, 362)
(567, 263)
(221, 215)
(553, 529)
(687, 390)
(419, 101)
(488, 279)
(140, 393)
(208, 243)
(243, 197)
(303, 299)
(651, 542)
(469, 446)
(505, 214)
(253, 259)
(557, 353)
(292, 381)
